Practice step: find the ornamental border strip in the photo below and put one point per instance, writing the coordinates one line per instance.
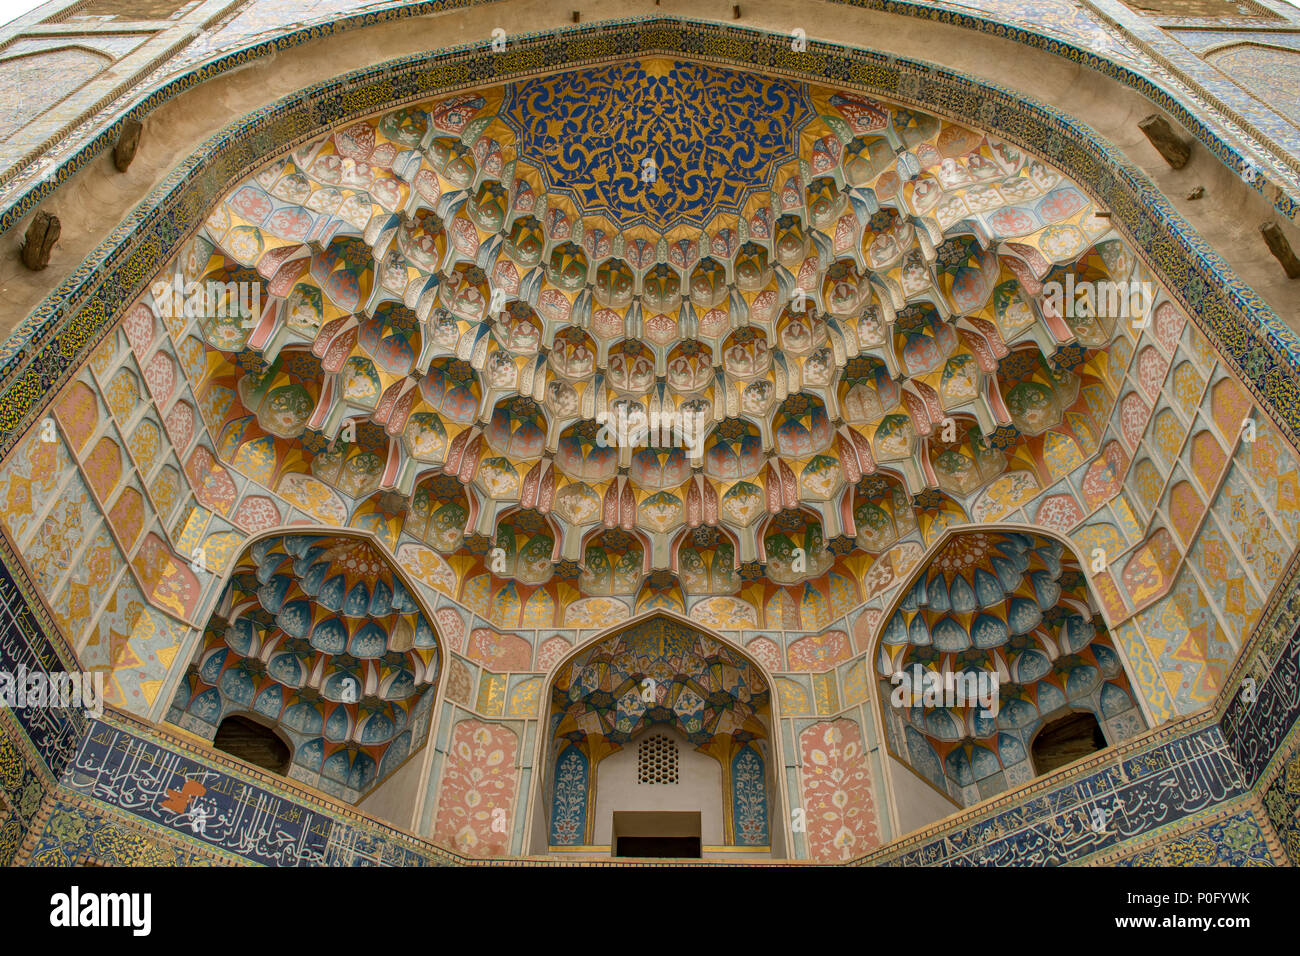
(27, 782)
(89, 809)
(343, 818)
(976, 840)
(50, 736)
(1288, 205)
(1040, 790)
(1271, 656)
(1129, 854)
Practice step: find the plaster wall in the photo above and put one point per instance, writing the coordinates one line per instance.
(699, 788)
(396, 799)
(916, 803)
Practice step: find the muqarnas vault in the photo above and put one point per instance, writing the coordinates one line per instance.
(322, 488)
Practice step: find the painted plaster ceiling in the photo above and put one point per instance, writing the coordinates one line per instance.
(847, 294)
(319, 635)
(658, 672)
(1013, 604)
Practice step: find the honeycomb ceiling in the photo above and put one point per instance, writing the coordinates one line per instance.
(320, 635)
(846, 293)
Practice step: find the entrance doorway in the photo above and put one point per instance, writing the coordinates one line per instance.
(656, 834)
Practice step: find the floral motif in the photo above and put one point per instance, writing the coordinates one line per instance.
(479, 780)
(749, 798)
(839, 810)
(569, 806)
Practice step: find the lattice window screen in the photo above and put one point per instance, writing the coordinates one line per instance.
(656, 760)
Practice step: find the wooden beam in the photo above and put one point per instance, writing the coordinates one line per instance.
(1281, 249)
(1176, 150)
(127, 142)
(42, 233)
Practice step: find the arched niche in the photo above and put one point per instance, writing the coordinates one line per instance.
(626, 708)
(252, 741)
(996, 636)
(1064, 740)
(318, 637)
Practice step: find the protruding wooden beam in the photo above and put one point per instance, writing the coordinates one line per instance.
(1176, 150)
(1281, 249)
(42, 233)
(127, 141)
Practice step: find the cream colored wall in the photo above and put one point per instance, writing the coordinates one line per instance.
(699, 788)
(396, 798)
(915, 803)
(97, 198)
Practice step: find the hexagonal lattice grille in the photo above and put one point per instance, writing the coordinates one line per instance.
(656, 760)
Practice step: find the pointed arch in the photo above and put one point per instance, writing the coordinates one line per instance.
(662, 671)
(994, 634)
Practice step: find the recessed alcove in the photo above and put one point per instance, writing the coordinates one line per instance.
(253, 743)
(1065, 740)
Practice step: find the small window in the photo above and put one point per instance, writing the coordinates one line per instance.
(656, 760)
(253, 743)
(1066, 740)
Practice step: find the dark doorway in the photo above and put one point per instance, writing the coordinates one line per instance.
(1066, 740)
(657, 833)
(658, 847)
(252, 742)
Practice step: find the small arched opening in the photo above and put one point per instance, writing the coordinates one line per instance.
(1065, 740)
(253, 743)
(660, 744)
